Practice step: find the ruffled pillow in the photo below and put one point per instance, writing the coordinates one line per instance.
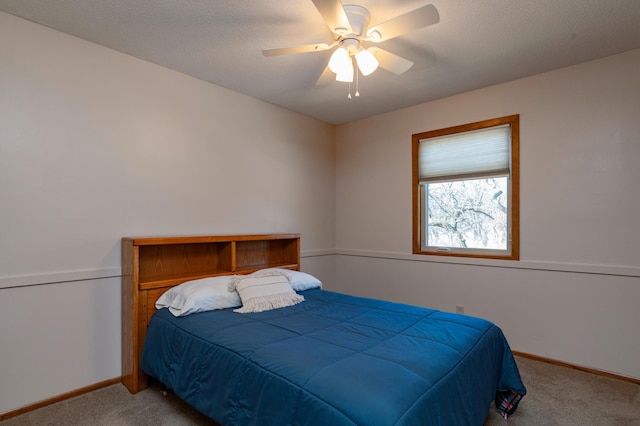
(263, 291)
(299, 281)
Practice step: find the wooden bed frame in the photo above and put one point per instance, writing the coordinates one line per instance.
(151, 266)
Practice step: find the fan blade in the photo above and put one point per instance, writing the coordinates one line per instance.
(410, 21)
(391, 62)
(296, 49)
(334, 15)
(326, 77)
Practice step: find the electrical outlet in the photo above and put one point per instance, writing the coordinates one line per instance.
(459, 309)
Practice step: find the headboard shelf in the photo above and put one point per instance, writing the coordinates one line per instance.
(256, 254)
(247, 269)
(166, 261)
(168, 281)
(152, 265)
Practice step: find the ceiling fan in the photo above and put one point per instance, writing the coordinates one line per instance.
(349, 25)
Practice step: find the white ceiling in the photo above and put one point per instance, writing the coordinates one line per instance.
(476, 44)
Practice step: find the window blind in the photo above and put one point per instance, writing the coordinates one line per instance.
(469, 155)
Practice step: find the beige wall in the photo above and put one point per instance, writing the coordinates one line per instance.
(96, 145)
(573, 295)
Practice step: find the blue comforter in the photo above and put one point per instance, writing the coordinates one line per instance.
(334, 360)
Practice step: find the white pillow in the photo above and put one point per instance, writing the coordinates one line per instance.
(206, 294)
(299, 281)
(263, 291)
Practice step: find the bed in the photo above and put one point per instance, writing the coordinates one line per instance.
(333, 359)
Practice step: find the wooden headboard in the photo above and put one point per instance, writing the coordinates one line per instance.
(151, 266)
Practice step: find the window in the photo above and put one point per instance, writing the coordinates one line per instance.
(465, 190)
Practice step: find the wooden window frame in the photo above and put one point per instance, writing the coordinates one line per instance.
(514, 254)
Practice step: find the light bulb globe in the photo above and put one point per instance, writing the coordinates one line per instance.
(345, 74)
(339, 60)
(367, 62)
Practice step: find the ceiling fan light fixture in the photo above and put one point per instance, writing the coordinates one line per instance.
(339, 60)
(345, 74)
(367, 62)
(349, 25)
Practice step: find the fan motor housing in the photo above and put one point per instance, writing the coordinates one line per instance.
(359, 18)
